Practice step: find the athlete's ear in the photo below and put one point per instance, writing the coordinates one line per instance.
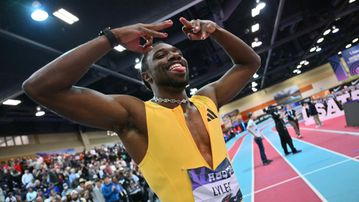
(146, 77)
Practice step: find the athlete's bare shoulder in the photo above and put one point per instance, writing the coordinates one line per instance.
(136, 111)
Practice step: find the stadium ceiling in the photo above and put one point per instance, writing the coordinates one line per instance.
(289, 32)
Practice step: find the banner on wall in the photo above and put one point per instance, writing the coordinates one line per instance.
(231, 119)
(288, 95)
(351, 57)
(331, 105)
(338, 68)
(61, 151)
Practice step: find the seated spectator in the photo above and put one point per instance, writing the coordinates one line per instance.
(26, 178)
(81, 187)
(66, 190)
(31, 195)
(52, 188)
(51, 197)
(39, 199)
(10, 198)
(2, 195)
(75, 197)
(109, 190)
(51, 177)
(93, 194)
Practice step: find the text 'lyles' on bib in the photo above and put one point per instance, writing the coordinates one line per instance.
(215, 185)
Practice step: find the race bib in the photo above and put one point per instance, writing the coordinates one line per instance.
(215, 185)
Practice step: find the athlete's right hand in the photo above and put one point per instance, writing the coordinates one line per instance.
(129, 36)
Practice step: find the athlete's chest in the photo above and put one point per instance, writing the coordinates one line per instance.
(198, 130)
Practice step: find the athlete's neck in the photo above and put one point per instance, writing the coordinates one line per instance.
(170, 94)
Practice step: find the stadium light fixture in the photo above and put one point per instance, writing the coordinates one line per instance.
(326, 32)
(39, 15)
(119, 48)
(257, 10)
(193, 91)
(261, 5)
(320, 40)
(335, 29)
(256, 43)
(11, 102)
(66, 16)
(255, 27)
(138, 66)
(39, 112)
(348, 45)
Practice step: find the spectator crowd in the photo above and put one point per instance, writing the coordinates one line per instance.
(103, 174)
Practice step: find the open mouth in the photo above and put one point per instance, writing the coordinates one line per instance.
(177, 67)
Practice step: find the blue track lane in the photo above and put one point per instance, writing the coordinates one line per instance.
(242, 162)
(334, 176)
(242, 165)
(230, 143)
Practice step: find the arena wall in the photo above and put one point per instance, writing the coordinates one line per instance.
(57, 141)
(309, 83)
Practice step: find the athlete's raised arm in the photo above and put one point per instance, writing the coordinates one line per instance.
(245, 60)
(53, 85)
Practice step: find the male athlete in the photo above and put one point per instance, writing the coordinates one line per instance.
(177, 141)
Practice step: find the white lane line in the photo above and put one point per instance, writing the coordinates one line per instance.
(296, 177)
(245, 133)
(252, 152)
(252, 196)
(328, 166)
(300, 174)
(328, 150)
(332, 131)
(239, 147)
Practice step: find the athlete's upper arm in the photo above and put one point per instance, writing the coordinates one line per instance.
(229, 85)
(91, 108)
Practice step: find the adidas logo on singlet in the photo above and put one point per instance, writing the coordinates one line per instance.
(210, 115)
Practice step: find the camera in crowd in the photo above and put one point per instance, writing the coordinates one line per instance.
(271, 109)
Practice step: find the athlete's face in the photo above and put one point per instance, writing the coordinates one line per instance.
(167, 67)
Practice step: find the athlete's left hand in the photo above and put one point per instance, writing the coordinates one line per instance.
(198, 29)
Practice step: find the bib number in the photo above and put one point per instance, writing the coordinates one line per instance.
(215, 185)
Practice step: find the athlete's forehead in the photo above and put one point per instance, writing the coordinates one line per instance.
(163, 47)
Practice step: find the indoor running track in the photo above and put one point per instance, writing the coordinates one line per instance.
(326, 170)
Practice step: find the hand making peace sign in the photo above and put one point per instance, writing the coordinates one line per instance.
(130, 36)
(198, 29)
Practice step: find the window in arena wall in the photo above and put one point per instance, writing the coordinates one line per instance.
(15, 140)
(2, 142)
(25, 139)
(9, 141)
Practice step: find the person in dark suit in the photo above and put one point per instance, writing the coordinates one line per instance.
(312, 111)
(284, 136)
(293, 120)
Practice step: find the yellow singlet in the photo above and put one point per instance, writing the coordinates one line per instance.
(174, 167)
